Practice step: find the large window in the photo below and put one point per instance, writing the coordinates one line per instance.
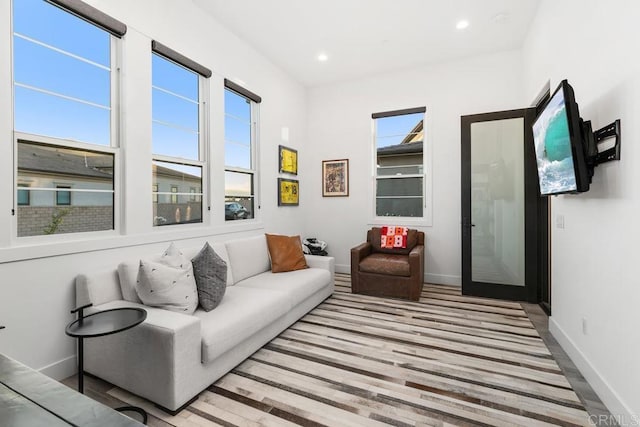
(240, 141)
(179, 132)
(399, 163)
(65, 82)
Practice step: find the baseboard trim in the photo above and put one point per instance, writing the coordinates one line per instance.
(343, 268)
(598, 383)
(61, 369)
(442, 279)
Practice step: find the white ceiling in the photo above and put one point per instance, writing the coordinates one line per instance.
(364, 37)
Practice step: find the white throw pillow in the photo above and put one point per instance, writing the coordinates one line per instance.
(168, 283)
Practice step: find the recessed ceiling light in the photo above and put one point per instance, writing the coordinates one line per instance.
(461, 25)
(322, 57)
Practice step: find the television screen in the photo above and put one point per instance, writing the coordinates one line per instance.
(560, 138)
(552, 138)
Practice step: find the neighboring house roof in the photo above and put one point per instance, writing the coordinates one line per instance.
(416, 134)
(403, 148)
(411, 144)
(160, 170)
(35, 158)
(46, 160)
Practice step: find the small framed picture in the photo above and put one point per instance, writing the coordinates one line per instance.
(288, 160)
(335, 178)
(288, 192)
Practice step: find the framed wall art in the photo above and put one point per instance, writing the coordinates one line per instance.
(288, 160)
(288, 192)
(335, 178)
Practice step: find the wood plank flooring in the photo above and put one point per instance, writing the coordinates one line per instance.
(357, 360)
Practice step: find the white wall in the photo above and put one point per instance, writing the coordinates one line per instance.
(36, 290)
(340, 127)
(594, 45)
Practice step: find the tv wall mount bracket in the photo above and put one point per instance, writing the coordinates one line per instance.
(595, 156)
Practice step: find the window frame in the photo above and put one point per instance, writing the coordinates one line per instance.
(105, 23)
(427, 172)
(203, 74)
(174, 194)
(254, 110)
(63, 189)
(25, 189)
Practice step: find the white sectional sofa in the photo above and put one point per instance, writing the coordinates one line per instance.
(171, 357)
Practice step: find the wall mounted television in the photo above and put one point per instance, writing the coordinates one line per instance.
(561, 141)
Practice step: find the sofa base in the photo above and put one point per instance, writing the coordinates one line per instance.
(396, 287)
(103, 353)
(177, 411)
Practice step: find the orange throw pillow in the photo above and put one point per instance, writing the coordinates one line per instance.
(285, 253)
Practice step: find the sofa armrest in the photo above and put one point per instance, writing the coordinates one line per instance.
(416, 261)
(153, 359)
(324, 262)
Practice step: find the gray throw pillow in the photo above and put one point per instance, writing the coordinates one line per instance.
(210, 271)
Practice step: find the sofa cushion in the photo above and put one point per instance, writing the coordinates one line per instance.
(412, 241)
(97, 288)
(210, 272)
(168, 283)
(242, 312)
(285, 253)
(389, 264)
(298, 285)
(248, 257)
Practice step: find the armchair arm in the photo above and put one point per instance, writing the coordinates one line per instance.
(360, 252)
(416, 261)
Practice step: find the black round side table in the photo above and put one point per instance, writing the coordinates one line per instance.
(99, 324)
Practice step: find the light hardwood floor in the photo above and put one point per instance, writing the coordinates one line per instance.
(360, 360)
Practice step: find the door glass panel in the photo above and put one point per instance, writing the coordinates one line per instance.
(497, 202)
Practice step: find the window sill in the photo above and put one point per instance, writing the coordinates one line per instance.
(23, 250)
(403, 221)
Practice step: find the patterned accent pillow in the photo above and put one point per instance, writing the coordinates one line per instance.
(210, 271)
(168, 283)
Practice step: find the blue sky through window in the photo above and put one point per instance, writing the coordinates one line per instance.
(237, 130)
(49, 24)
(176, 109)
(62, 74)
(392, 130)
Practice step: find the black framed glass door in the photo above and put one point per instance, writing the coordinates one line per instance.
(500, 215)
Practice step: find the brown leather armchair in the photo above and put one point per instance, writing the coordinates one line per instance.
(396, 273)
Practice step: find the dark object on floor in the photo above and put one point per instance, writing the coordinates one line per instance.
(395, 273)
